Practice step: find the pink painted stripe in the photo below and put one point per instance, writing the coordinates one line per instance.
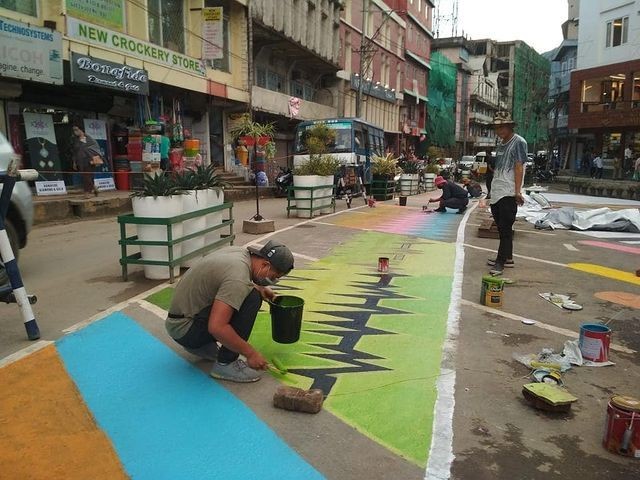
(611, 246)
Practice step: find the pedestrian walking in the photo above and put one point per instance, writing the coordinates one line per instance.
(598, 165)
(627, 168)
(506, 195)
(218, 299)
(636, 173)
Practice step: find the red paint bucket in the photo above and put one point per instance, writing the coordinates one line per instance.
(383, 264)
(622, 426)
(594, 342)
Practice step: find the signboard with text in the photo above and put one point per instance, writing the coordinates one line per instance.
(212, 33)
(55, 187)
(102, 73)
(118, 42)
(108, 13)
(30, 53)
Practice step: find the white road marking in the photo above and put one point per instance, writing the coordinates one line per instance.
(631, 242)
(153, 308)
(20, 354)
(605, 234)
(541, 260)
(535, 232)
(545, 326)
(570, 247)
(441, 452)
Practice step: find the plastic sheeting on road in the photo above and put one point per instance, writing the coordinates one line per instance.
(626, 220)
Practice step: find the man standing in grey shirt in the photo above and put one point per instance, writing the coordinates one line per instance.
(506, 187)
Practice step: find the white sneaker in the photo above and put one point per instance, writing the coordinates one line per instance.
(237, 371)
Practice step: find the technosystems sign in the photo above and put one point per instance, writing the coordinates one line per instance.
(87, 70)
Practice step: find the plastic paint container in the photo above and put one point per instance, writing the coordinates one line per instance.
(286, 318)
(594, 342)
(622, 426)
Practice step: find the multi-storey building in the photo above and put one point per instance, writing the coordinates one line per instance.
(562, 140)
(418, 15)
(295, 56)
(605, 87)
(113, 65)
(372, 37)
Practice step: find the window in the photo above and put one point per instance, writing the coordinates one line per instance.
(28, 7)
(166, 24)
(617, 32)
(274, 81)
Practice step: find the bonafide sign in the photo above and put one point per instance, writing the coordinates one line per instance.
(97, 72)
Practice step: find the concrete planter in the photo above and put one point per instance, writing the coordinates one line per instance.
(160, 207)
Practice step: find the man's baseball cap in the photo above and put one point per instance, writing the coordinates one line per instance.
(278, 255)
(502, 117)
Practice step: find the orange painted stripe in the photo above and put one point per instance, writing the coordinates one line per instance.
(621, 298)
(47, 430)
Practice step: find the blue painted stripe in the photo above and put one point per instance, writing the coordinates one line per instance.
(166, 418)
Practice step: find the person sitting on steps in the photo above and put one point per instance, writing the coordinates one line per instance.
(453, 196)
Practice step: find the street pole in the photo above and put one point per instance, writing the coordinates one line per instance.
(363, 50)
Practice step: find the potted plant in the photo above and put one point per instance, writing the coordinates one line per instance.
(318, 170)
(212, 186)
(159, 197)
(383, 170)
(431, 171)
(409, 177)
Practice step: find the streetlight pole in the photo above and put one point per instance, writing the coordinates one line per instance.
(363, 51)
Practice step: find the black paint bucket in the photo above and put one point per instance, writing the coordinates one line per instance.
(286, 318)
(403, 201)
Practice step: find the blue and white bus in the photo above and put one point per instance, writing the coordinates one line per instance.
(356, 141)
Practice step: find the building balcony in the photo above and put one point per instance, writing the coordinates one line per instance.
(491, 102)
(561, 122)
(480, 118)
(278, 103)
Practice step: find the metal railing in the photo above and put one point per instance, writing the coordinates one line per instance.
(170, 242)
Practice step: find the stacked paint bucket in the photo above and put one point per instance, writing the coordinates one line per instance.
(191, 151)
(491, 291)
(121, 175)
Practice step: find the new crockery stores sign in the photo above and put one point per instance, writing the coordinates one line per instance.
(119, 42)
(102, 73)
(30, 53)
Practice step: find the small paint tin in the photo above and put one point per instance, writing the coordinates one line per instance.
(383, 264)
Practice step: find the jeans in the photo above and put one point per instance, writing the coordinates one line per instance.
(488, 179)
(241, 321)
(504, 214)
(454, 202)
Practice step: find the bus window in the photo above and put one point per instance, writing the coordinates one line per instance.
(359, 139)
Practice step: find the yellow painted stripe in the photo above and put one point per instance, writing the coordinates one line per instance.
(47, 430)
(619, 275)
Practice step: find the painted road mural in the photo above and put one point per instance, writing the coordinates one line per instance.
(121, 401)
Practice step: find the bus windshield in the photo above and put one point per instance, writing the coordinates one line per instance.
(342, 143)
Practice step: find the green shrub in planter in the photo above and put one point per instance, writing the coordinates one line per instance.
(318, 164)
(158, 186)
(384, 166)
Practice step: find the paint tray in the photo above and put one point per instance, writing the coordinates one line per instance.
(551, 398)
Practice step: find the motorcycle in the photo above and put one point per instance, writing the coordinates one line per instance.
(283, 181)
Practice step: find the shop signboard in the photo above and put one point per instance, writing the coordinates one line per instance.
(118, 42)
(212, 33)
(108, 13)
(96, 72)
(42, 146)
(30, 53)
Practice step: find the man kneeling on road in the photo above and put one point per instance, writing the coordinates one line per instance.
(218, 299)
(453, 196)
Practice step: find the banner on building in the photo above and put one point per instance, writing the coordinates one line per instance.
(212, 33)
(42, 145)
(97, 129)
(96, 72)
(121, 43)
(30, 53)
(108, 13)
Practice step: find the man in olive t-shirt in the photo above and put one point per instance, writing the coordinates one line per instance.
(218, 299)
